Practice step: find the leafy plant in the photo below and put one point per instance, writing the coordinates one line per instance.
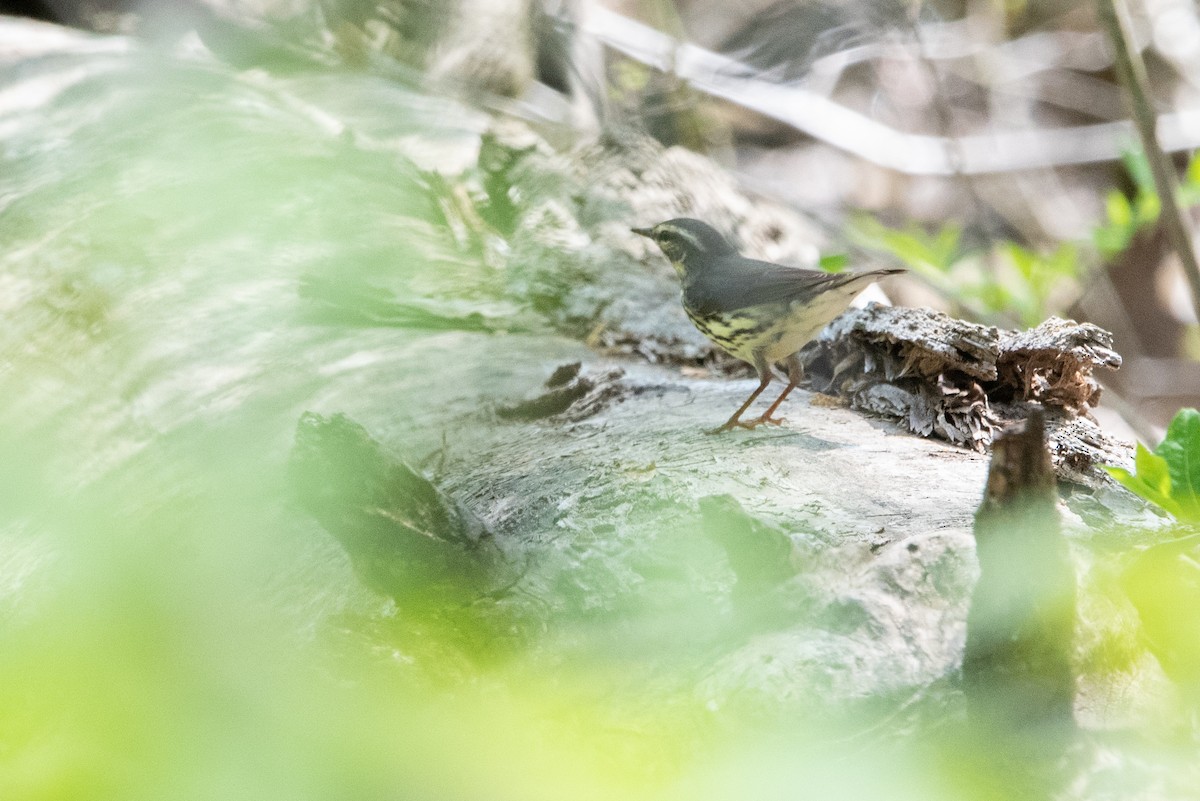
(1009, 280)
(929, 254)
(1025, 283)
(1126, 217)
(1169, 476)
(1005, 280)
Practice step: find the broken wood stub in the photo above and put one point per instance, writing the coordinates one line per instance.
(1016, 666)
(404, 537)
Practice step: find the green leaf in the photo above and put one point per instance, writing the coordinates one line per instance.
(1111, 240)
(1152, 469)
(996, 297)
(1023, 259)
(922, 252)
(1066, 259)
(946, 244)
(1144, 489)
(1181, 452)
(1153, 479)
(1170, 475)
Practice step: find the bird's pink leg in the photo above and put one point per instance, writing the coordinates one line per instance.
(795, 374)
(735, 421)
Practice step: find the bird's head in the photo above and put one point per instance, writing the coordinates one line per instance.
(687, 243)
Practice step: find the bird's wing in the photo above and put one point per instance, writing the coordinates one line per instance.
(741, 282)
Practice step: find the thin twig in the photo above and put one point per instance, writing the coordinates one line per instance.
(1131, 71)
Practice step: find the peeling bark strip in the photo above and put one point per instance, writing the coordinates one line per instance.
(404, 537)
(1016, 665)
(961, 382)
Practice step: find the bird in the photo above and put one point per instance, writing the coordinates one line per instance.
(756, 311)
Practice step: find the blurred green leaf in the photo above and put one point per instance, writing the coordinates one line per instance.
(946, 244)
(1192, 175)
(1125, 217)
(1009, 280)
(1148, 207)
(1111, 240)
(1138, 167)
(922, 252)
(1023, 259)
(834, 262)
(1118, 208)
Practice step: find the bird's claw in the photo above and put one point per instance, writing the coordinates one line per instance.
(760, 421)
(749, 425)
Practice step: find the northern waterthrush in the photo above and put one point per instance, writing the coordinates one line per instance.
(760, 312)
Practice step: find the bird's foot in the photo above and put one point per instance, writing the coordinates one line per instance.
(764, 420)
(728, 426)
(749, 425)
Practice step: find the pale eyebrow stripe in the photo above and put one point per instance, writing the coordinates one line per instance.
(686, 235)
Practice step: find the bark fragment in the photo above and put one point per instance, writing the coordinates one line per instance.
(962, 382)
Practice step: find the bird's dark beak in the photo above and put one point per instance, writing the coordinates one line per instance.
(646, 232)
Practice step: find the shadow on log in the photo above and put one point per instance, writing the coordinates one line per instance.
(1016, 667)
(760, 556)
(404, 537)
